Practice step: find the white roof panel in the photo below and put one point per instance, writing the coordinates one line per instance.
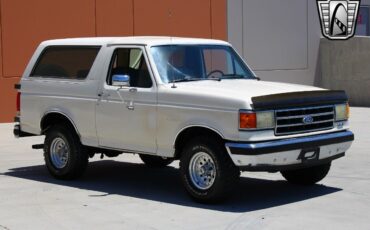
(144, 40)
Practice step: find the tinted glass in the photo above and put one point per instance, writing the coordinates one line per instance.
(65, 62)
(198, 62)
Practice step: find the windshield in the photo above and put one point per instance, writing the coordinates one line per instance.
(177, 63)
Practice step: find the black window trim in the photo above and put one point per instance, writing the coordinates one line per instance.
(98, 47)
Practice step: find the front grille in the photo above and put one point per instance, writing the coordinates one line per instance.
(291, 121)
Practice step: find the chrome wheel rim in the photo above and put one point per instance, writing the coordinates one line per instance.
(59, 153)
(202, 170)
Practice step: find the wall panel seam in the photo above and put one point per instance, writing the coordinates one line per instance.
(211, 17)
(1, 38)
(133, 17)
(96, 20)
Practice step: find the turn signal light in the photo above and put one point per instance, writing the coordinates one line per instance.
(347, 110)
(256, 120)
(247, 120)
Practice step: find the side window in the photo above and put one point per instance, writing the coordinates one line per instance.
(68, 62)
(131, 62)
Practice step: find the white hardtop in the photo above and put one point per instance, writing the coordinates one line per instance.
(135, 40)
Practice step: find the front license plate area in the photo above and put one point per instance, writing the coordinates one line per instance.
(311, 154)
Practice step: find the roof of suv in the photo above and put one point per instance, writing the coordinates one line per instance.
(143, 40)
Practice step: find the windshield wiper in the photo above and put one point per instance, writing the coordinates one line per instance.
(212, 79)
(233, 76)
(237, 76)
(187, 79)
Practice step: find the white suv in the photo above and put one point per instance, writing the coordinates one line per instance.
(176, 98)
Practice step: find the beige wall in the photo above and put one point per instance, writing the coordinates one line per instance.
(345, 65)
(279, 38)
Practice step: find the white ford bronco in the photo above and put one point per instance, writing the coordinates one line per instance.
(166, 99)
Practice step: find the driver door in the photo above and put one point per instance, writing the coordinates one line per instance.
(126, 116)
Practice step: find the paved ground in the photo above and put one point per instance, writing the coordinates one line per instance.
(124, 194)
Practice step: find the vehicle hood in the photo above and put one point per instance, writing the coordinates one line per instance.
(235, 89)
(242, 88)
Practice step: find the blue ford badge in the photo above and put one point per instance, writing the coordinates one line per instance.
(307, 119)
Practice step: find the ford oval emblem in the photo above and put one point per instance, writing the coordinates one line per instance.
(307, 119)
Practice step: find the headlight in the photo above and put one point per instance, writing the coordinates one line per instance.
(341, 112)
(256, 120)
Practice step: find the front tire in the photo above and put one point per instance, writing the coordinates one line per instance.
(155, 161)
(64, 155)
(207, 171)
(307, 176)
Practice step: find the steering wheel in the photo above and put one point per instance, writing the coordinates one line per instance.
(215, 71)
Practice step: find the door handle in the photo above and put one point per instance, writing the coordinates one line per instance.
(130, 105)
(132, 90)
(103, 94)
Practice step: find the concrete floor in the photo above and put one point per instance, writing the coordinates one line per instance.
(124, 194)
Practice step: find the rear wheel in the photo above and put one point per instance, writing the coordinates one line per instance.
(307, 176)
(207, 172)
(65, 157)
(155, 161)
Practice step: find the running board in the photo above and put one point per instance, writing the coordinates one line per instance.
(39, 146)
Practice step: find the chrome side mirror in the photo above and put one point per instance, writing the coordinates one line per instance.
(121, 80)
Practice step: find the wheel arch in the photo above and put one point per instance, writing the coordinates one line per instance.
(53, 117)
(189, 132)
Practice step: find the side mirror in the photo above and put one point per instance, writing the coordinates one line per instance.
(121, 80)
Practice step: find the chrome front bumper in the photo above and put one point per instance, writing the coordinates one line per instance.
(289, 153)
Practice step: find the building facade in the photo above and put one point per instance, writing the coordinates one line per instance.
(280, 39)
(24, 24)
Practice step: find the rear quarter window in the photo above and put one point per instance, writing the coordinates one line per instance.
(68, 62)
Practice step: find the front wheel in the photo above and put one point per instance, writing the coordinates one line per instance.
(207, 172)
(307, 176)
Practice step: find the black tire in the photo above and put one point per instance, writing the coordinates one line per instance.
(77, 159)
(307, 176)
(155, 161)
(226, 176)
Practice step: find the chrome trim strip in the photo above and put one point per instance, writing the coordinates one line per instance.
(267, 144)
(312, 107)
(304, 131)
(302, 124)
(302, 116)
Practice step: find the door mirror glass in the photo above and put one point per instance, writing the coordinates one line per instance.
(121, 80)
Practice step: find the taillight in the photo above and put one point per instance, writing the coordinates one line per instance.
(18, 102)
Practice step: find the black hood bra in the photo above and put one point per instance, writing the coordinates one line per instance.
(299, 99)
